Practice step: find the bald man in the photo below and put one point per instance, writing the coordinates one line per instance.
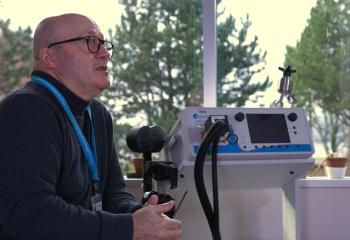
(59, 173)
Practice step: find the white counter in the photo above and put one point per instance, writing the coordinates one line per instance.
(324, 208)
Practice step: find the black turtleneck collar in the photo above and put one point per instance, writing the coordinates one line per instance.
(75, 102)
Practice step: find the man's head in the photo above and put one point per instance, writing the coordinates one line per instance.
(76, 63)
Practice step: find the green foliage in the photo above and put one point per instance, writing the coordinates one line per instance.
(15, 56)
(157, 67)
(237, 63)
(322, 60)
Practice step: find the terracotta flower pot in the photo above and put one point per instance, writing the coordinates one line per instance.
(138, 164)
(338, 162)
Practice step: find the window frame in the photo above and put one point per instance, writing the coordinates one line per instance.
(209, 54)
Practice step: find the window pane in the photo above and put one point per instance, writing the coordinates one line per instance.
(255, 38)
(157, 64)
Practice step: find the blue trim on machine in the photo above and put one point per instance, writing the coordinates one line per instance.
(268, 149)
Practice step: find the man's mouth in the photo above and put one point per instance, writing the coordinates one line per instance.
(102, 68)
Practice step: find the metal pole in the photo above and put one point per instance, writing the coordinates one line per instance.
(209, 54)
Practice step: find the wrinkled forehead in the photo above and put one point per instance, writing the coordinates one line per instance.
(78, 26)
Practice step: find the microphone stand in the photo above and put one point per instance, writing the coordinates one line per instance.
(147, 178)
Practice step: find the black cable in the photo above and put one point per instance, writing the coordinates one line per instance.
(179, 205)
(215, 186)
(218, 129)
(198, 179)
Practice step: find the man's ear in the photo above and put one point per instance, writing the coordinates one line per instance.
(47, 57)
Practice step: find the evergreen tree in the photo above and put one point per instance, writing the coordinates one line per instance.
(15, 56)
(157, 64)
(238, 63)
(322, 60)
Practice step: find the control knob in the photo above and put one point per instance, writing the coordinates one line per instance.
(239, 117)
(292, 117)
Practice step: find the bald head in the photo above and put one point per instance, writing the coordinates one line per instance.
(57, 28)
(70, 59)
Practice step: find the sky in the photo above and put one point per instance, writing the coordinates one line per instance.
(106, 13)
(277, 23)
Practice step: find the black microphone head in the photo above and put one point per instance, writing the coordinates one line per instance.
(146, 139)
(158, 138)
(139, 139)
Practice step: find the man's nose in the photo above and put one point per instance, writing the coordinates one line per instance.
(103, 53)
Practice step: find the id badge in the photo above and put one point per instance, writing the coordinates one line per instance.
(96, 202)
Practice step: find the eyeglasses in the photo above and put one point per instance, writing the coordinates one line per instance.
(93, 43)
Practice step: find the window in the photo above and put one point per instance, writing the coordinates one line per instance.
(255, 38)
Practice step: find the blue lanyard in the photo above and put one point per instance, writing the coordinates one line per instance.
(90, 157)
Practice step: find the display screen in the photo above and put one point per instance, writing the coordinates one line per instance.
(268, 128)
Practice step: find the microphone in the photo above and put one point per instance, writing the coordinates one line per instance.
(146, 139)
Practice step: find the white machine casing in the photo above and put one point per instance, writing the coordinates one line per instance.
(267, 147)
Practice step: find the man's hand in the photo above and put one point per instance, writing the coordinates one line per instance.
(153, 200)
(151, 224)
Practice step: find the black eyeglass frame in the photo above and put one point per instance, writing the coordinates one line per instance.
(86, 38)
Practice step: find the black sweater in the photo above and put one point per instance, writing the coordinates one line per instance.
(45, 184)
